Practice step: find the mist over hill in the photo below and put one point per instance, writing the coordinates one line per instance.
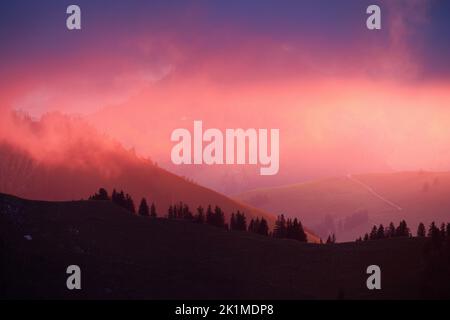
(349, 206)
(63, 158)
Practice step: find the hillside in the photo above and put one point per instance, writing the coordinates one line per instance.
(126, 256)
(80, 160)
(21, 175)
(351, 205)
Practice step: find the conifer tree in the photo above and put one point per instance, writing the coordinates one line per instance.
(373, 233)
(241, 221)
(421, 230)
(143, 208)
(129, 204)
(402, 230)
(435, 235)
(251, 226)
(442, 231)
(380, 232)
(329, 240)
(200, 217)
(124, 201)
(263, 228)
(220, 217)
(391, 230)
(233, 222)
(280, 228)
(114, 196)
(170, 213)
(301, 232)
(102, 195)
(186, 213)
(153, 213)
(209, 216)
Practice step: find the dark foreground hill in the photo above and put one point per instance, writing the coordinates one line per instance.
(125, 256)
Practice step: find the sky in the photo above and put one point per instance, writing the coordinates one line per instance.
(345, 99)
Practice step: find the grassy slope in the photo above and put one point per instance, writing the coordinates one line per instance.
(124, 256)
(341, 197)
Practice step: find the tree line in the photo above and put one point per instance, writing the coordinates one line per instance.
(216, 217)
(289, 229)
(438, 235)
(284, 228)
(437, 261)
(124, 200)
(435, 245)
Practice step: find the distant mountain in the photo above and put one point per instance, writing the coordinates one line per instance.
(351, 205)
(61, 158)
(122, 256)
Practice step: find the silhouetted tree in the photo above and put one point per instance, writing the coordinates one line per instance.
(233, 222)
(390, 232)
(380, 232)
(178, 211)
(118, 198)
(238, 222)
(219, 217)
(124, 201)
(366, 237)
(241, 221)
(373, 233)
(442, 231)
(170, 213)
(200, 216)
(298, 233)
(114, 195)
(101, 195)
(129, 204)
(431, 229)
(331, 239)
(421, 232)
(435, 235)
(279, 230)
(289, 234)
(251, 226)
(209, 216)
(216, 218)
(402, 230)
(143, 208)
(153, 213)
(263, 228)
(186, 213)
